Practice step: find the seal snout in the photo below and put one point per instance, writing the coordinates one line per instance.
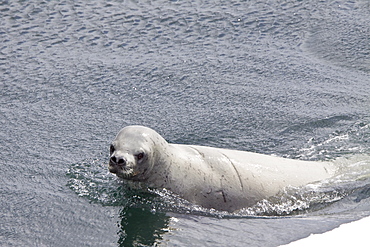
(120, 161)
(117, 164)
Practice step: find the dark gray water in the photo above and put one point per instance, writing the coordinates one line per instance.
(288, 78)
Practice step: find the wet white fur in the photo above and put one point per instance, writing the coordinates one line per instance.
(212, 177)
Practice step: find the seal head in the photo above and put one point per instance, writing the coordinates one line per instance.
(132, 151)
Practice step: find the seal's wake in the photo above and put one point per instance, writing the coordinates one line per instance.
(222, 179)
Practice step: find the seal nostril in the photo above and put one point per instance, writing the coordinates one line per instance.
(121, 162)
(113, 159)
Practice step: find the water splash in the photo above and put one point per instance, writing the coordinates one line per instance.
(337, 144)
(91, 179)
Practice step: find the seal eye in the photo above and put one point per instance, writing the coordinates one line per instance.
(111, 149)
(139, 156)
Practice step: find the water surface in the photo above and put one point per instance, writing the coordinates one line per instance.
(288, 78)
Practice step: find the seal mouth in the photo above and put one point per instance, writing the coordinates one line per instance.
(122, 171)
(126, 174)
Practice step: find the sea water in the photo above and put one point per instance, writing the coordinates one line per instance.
(284, 78)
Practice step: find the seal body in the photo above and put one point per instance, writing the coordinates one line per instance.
(216, 178)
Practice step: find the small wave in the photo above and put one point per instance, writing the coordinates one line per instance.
(90, 179)
(294, 201)
(337, 144)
